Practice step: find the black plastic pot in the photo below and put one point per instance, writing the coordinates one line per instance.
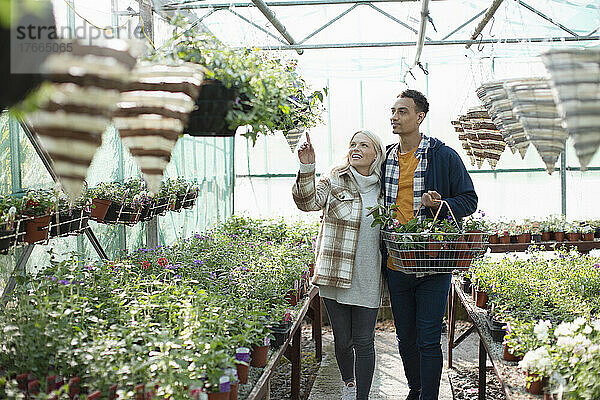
(80, 220)
(281, 332)
(497, 329)
(60, 223)
(7, 238)
(213, 103)
(16, 86)
(145, 213)
(537, 237)
(466, 284)
(160, 207)
(113, 212)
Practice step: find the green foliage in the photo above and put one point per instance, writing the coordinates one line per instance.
(167, 315)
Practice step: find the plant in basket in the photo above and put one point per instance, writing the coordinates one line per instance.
(37, 204)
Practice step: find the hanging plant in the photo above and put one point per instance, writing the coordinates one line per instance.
(536, 109)
(575, 82)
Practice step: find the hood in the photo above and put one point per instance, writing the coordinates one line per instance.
(435, 144)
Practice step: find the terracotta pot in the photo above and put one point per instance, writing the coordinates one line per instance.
(493, 239)
(463, 255)
(408, 258)
(94, 396)
(218, 396)
(524, 238)
(233, 393)
(433, 248)
(587, 237)
(508, 356)
(311, 270)
(112, 392)
(33, 387)
(559, 236)
(573, 236)
(292, 297)
(99, 209)
(535, 384)
(259, 356)
(36, 229)
(74, 386)
(505, 239)
(546, 236)
(482, 299)
(242, 372)
(473, 292)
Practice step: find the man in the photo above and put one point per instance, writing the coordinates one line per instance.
(420, 169)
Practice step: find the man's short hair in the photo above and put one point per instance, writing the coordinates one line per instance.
(419, 99)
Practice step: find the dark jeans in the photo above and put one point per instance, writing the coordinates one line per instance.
(418, 305)
(354, 337)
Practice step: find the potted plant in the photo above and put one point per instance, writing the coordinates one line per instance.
(37, 205)
(587, 232)
(572, 232)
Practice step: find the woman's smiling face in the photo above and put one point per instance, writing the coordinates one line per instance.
(361, 153)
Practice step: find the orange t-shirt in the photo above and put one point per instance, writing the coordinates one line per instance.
(408, 165)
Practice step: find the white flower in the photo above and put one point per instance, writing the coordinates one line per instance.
(579, 321)
(566, 342)
(537, 360)
(596, 324)
(541, 330)
(587, 330)
(564, 329)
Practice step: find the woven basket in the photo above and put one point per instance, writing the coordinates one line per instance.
(153, 112)
(575, 83)
(501, 110)
(483, 138)
(462, 136)
(535, 107)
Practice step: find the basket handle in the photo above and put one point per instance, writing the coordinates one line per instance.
(443, 202)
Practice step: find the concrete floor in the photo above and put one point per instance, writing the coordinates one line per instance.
(388, 382)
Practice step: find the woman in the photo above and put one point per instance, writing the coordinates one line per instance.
(348, 270)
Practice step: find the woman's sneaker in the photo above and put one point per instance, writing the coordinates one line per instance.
(349, 391)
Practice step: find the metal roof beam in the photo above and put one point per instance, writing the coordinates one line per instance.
(260, 28)
(203, 4)
(329, 23)
(465, 24)
(547, 18)
(270, 15)
(395, 19)
(433, 43)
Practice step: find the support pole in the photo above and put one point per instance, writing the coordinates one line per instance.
(482, 370)
(19, 269)
(422, 28)
(264, 8)
(563, 182)
(486, 18)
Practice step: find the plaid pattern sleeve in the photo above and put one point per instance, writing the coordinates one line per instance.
(338, 236)
(307, 195)
(390, 176)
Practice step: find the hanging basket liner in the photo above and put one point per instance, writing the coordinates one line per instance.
(575, 83)
(487, 133)
(214, 101)
(473, 141)
(293, 137)
(85, 90)
(462, 136)
(488, 93)
(535, 107)
(501, 109)
(153, 111)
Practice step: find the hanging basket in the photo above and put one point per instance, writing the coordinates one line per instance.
(153, 111)
(473, 141)
(501, 110)
(575, 82)
(462, 136)
(535, 108)
(214, 102)
(85, 91)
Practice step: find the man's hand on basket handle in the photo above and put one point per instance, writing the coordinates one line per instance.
(429, 199)
(306, 153)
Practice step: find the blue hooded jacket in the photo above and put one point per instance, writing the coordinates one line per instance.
(447, 175)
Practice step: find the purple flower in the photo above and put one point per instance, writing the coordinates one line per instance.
(597, 265)
(212, 275)
(64, 282)
(198, 262)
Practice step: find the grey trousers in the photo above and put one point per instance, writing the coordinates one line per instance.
(354, 337)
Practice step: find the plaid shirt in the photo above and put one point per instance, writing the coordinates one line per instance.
(391, 172)
(336, 246)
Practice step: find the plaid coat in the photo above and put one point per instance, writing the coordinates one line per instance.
(341, 203)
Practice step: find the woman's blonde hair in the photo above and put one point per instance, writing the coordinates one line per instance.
(376, 166)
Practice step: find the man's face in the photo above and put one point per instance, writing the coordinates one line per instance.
(405, 118)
